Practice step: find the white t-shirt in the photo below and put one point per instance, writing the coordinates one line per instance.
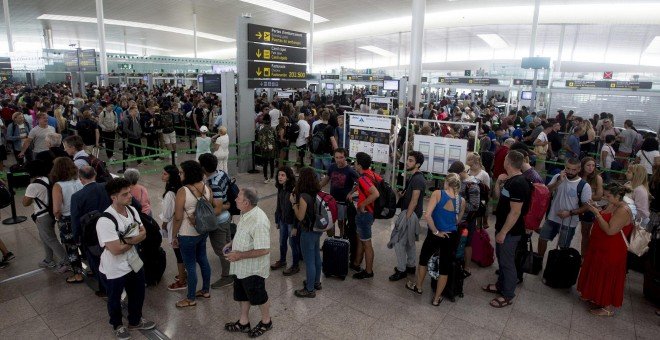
(610, 155)
(114, 266)
(304, 132)
(542, 137)
(566, 197)
(275, 115)
(651, 155)
(36, 190)
(482, 176)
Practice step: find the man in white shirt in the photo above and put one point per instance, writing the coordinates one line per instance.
(541, 147)
(275, 115)
(38, 135)
(119, 229)
(303, 137)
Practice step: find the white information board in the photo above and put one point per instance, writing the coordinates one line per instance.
(370, 135)
(383, 103)
(439, 152)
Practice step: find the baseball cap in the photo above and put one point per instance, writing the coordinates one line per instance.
(204, 129)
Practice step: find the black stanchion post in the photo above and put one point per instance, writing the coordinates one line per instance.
(173, 157)
(254, 169)
(13, 219)
(190, 135)
(123, 156)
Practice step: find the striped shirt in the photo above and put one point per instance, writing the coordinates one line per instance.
(219, 182)
(252, 232)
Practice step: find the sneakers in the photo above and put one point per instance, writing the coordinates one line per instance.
(177, 285)
(143, 325)
(224, 281)
(277, 265)
(8, 257)
(317, 286)
(363, 275)
(291, 270)
(398, 275)
(47, 264)
(355, 268)
(122, 333)
(304, 293)
(269, 180)
(4, 264)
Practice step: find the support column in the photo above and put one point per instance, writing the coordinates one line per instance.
(310, 46)
(10, 41)
(229, 113)
(195, 34)
(416, 41)
(48, 38)
(125, 42)
(560, 51)
(398, 55)
(245, 114)
(532, 47)
(103, 58)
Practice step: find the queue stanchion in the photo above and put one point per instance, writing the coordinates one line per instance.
(190, 148)
(254, 162)
(14, 219)
(173, 153)
(123, 156)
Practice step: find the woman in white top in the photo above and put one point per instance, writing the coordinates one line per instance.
(172, 184)
(636, 175)
(65, 176)
(303, 136)
(648, 155)
(222, 151)
(477, 169)
(184, 236)
(607, 156)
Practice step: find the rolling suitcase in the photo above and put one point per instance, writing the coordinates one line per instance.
(562, 268)
(454, 287)
(335, 257)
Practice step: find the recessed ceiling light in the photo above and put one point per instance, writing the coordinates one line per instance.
(494, 40)
(286, 9)
(378, 50)
(135, 25)
(654, 46)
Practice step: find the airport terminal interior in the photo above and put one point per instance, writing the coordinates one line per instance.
(354, 98)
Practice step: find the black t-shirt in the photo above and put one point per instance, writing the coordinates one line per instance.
(417, 182)
(87, 131)
(555, 141)
(342, 181)
(308, 223)
(516, 189)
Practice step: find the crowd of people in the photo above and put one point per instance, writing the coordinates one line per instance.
(53, 135)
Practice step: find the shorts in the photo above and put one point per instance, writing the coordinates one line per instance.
(169, 138)
(550, 229)
(363, 223)
(252, 289)
(341, 211)
(588, 217)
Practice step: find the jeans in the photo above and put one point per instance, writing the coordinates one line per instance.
(506, 257)
(46, 229)
(152, 143)
(109, 140)
(193, 249)
(94, 262)
(321, 162)
(219, 238)
(266, 162)
(134, 284)
(311, 249)
(294, 242)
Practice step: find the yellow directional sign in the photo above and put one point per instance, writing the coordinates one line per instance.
(266, 54)
(266, 71)
(266, 36)
(258, 53)
(283, 54)
(258, 35)
(259, 72)
(276, 70)
(278, 36)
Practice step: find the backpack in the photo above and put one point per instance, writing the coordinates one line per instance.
(88, 223)
(167, 122)
(102, 173)
(232, 193)
(45, 208)
(292, 132)
(539, 204)
(385, 204)
(205, 220)
(324, 212)
(318, 143)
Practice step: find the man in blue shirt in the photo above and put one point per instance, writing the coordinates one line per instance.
(572, 146)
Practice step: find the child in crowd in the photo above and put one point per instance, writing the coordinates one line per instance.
(203, 142)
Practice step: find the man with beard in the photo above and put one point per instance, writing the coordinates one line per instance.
(569, 195)
(342, 179)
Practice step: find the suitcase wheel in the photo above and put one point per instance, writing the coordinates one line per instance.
(343, 278)
(460, 295)
(452, 299)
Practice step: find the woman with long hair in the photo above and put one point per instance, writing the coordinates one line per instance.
(61, 122)
(603, 274)
(588, 138)
(172, 180)
(266, 140)
(638, 183)
(191, 244)
(303, 200)
(285, 221)
(282, 139)
(445, 208)
(64, 175)
(595, 181)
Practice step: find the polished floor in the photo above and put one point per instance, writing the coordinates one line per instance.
(38, 304)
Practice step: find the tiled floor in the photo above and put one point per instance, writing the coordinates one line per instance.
(42, 306)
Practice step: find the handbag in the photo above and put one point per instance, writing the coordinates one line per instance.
(533, 262)
(639, 239)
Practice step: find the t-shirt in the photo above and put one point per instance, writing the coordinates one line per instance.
(87, 131)
(115, 266)
(275, 115)
(574, 144)
(342, 181)
(542, 137)
(648, 163)
(533, 176)
(516, 189)
(565, 198)
(36, 190)
(629, 136)
(38, 136)
(303, 134)
(482, 176)
(365, 183)
(555, 141)
(610, 155)
(417, 182)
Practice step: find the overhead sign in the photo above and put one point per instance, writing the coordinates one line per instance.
(364, 77)
(211, 83)
(425, 79)
(608, 75)
(528, 82)
(604, 84)
(125, 66)
(330, 76)
(470, 81)
(273, 70)
(276, 84)
(276, 53)
(87, 60)
(279, 36)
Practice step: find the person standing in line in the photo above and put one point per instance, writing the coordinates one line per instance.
(607, 157)
(249, 254)
(572, 146)
(172, 181)
(108, 126)
(286, 222)
(222, 151)
(138, 191)
(121, 267)
(648, 156)
(541, 147)
(133, 132)
(512, 206)
(342, 179)
(202, 142)
(303, 138)
(88, 130)
(37, 136)
(595, 181)
(17, 132)
(266, 142)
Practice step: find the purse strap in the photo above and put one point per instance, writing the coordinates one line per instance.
(625, 239)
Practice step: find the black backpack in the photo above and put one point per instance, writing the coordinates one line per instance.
(232, 193)
(102, 173)
(317, 144)
(292, 132)
(385, 205)
(45, 208)
(167, 122)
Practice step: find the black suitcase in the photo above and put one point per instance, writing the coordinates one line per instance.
(154, 265)
(335, 257)
(652, 273)
(454, 287)
(562, 268)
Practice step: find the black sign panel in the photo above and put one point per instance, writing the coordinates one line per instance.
(279, 36)
(276, 84)
(87, 60)
(273, 70)
(211, 83)
(5, 64)
(469, 81)
(330, 76)
(364, 77)
(425, 79)
(276, 53)
(604, 84)
(528, 82)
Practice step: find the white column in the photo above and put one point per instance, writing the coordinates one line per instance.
(310, 46)
(195, 34)
(125, 42)
(532, 47)
(101, 32)
(561, 48)
(48, 38)
(416, 41)
(10, 41)
(245, 115)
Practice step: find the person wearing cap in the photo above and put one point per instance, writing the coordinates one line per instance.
(202, 142)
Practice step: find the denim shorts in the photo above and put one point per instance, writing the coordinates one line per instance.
(551, 229)
(363, 223)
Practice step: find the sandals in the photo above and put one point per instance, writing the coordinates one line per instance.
(500, 302)
(437, 303)
(602, 311)
(237, 327)
(260, 329)
(72, 280)
(491, 288)
(203, 294)
(413, 287)
(186, 303)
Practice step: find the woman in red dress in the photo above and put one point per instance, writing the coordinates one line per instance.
(603, 273)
